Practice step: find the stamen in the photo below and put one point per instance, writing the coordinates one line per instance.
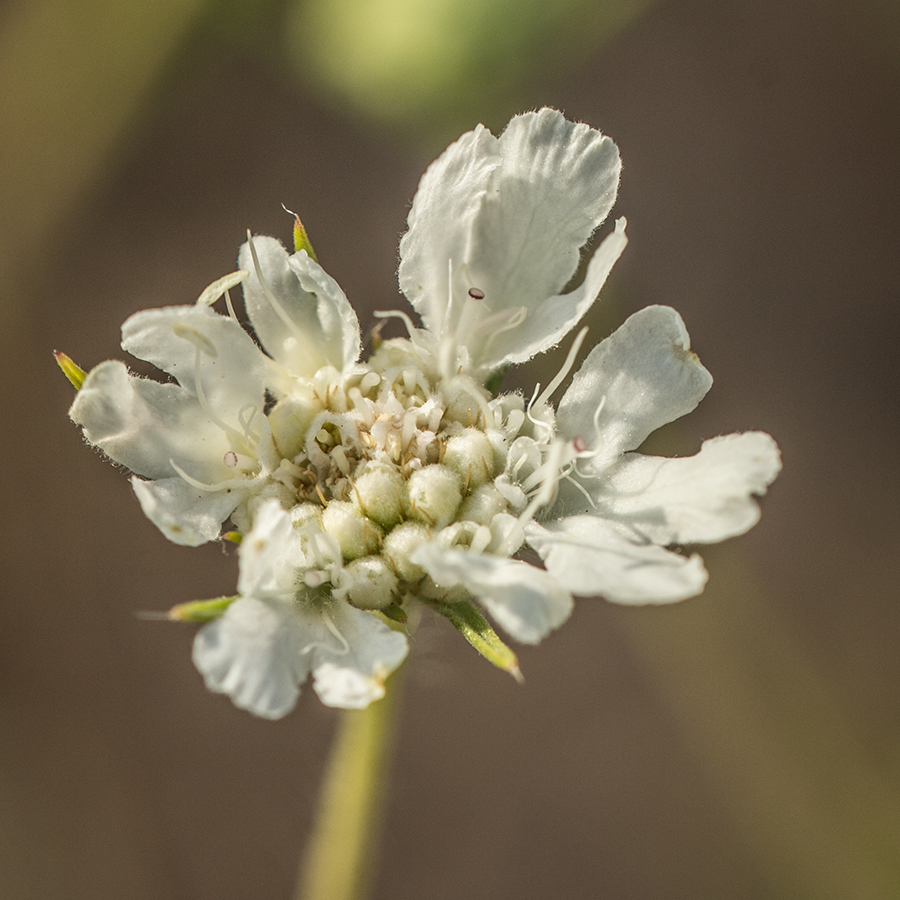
(246, 421)
(397, 314)
(536, 422)
(409, 428)
(363, 406)
(566, 367)
(476, 293)
(369, 380)
(227, 484)
(514, 318)
(549, 472)
(581, 488)
(221, 286)
(338, 455)
(230, 307)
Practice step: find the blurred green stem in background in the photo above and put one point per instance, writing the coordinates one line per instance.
(340, 859)
(819, 816)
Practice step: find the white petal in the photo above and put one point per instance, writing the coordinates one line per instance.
(589, 556)
(311, 323)
(699, 499)
(643, 375)
(548, 322)
(270, 555)
(252, 653)
(230, 366)
(441, 220)
(352, 676)
(142, 424)
(183, 513)
(527, 602)
(513, 231)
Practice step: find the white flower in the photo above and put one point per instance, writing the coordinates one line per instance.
(280, 629)
(374, 485)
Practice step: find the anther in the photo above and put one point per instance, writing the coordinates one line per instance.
(476, 293)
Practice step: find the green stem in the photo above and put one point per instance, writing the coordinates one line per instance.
(339, 860)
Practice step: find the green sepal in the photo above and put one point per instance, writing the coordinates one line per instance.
(395, 613)
(302, 241)
(71, 370)
(201, 610)
(475, 628)
(233, 537)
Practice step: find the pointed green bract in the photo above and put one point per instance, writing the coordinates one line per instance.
(71, 370)
(475, 628)
(201, 610)
(302, 241)
(395, 613)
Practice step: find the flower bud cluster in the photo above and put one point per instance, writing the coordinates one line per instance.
(392, 456)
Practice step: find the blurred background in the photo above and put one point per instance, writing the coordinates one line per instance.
(745, 744)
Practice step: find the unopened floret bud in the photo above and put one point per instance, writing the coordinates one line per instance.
(435, 493)
(373, 584)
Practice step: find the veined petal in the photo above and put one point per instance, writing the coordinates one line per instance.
(143, 424)
(301, 316)
(527, 602)
(192, 341)
(549, 321)
(183, 513)
(441, 220)
(591, 556)
(697, 499)
(352, 675)
(639, 378)
(508, 217)
(252, 654)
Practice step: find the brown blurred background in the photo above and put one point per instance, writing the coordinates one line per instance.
(745, 744)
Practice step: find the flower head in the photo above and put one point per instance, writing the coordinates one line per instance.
(362, 488)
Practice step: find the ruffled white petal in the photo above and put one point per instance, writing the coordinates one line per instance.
(230, 366)
(303, 320)
(252, 654)
(639, 378)
(351, 675)
(591, 556)
(143, 424)
(527, 602)
(508, 216)
(183, 513)
(698, 499)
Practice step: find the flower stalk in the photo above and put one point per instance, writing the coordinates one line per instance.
(338, 863)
